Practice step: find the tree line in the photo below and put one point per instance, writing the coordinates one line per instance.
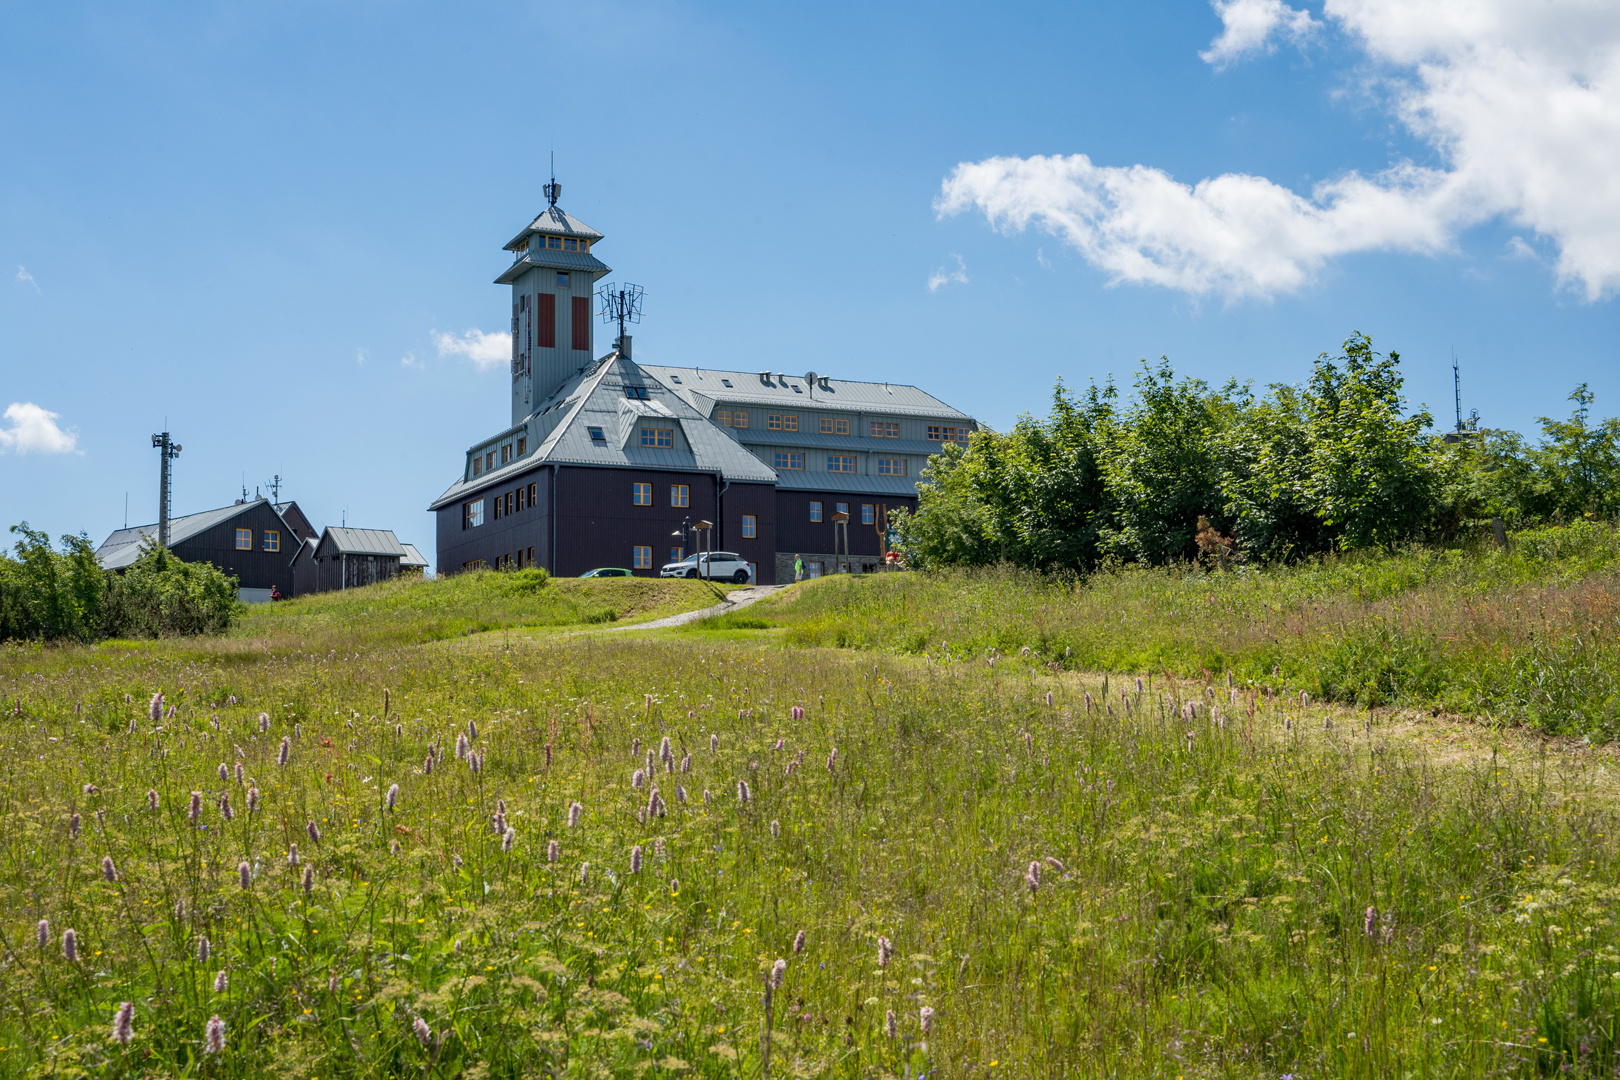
(64, 595)
(1179, 471)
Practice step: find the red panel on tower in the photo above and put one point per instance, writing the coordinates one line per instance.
(545, 320)
(582, 323)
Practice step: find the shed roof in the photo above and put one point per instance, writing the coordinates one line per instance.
(338, 540)
(791, 391)
(846, 483)
(123, 547)
(413, 557)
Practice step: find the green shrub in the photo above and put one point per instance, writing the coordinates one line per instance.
(162, 596)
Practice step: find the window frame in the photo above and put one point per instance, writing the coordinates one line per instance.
(641, 493)
(815, 510)
(680, 496)
(841, 463)
(884, 429)
(750, 527)
(272, 539)
(868, 514)
(641, 557)
(893, 466)
(244, 539)
(794, 463)
(658, 438)
(833, 425)
(472, 513)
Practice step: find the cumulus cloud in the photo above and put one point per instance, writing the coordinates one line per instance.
(948, 275)
(27, 279)
(1251, 26)
(486, 351)
(409, 360)
(1520, 101)
(31, 429)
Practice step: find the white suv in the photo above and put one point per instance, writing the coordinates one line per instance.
(714, 565)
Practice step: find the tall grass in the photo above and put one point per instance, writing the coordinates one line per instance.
(1208, 857)
(1528, 636)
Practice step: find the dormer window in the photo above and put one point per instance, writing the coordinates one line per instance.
(637, 393)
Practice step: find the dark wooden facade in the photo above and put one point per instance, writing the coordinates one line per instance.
(350, 570)
(254, 567)
(795, 532)
(598, 523)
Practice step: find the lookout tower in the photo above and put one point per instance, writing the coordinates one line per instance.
(553, 276)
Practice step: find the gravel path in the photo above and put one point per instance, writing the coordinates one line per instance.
(734, 601)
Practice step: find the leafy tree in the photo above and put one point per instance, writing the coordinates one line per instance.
(49, 595)
(1575, 471)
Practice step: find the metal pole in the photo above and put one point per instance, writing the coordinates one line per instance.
(168, 450)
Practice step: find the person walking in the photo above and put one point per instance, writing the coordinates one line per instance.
(798, 568)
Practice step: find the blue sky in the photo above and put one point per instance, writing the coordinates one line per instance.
(261, 224)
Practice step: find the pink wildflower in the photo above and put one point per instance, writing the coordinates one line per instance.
(798, 943)
(424, 1034)
(221, 981)
(778, 973)
(204, 949)
(926, 1017)
(155, 708)
(798, 712)
(124, 1024)
(309, 880)
(551, 851)
(314, 831)
(44, 932)
(285, 752)
(393, 796)
(574, 810)
(73, 826)
(194, 811)
(508, 839)
(635, 859)
(889, 1024)
(245, 873)
(214, 1035)
(70, 945)
(885, 950)
(109, 872)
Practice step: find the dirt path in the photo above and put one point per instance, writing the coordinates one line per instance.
(734, 601)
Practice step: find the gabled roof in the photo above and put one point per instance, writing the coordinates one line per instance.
(791, 391)
(555, 222)
(413, 557)
(123, 547)
(596, 397)
(337, 540)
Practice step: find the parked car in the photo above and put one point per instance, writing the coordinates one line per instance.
(714, 565)
(608, 571)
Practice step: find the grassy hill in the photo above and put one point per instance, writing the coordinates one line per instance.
(1000, 865)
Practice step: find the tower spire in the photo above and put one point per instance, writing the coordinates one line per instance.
(553, 190)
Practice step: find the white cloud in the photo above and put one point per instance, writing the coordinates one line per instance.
(486, 351)
(946, 275)
(1248, 27)
(1520, 101)
(27, 279)
(360, 356)
(34, 430)
(409, 360)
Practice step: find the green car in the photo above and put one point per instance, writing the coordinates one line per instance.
(608, 571)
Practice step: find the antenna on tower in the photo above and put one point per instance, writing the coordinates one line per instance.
(553, 190)
(274, 484)
(1456, 386)
(620, 304)
(168, 450)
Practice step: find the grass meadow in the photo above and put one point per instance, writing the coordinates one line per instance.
(890, 858)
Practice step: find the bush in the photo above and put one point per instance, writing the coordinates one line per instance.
(162, 596)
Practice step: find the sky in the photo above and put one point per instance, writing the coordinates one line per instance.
(272, 230)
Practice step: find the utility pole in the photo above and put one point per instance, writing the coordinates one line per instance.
(168, 450)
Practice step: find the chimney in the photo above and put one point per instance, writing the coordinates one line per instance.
(622, 346)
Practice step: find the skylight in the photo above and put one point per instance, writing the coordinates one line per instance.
(596, 434)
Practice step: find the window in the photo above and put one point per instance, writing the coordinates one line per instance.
(641, 494)
(726, 383)
(506, 453)
(674, 378)
(520, 494)
(840, 463)
(680, 495)
(531, 501)
(523, 447)
(244, 539)
(781, 422)
(545, 318)
(733, 418)
(789, 459)
(812, 569)
(596, 434)
(509, 502)
(520, 558)
(891, 466)
(641, 557)
(489, 460)
(815, 511)
(500, 504)
(581, 320)
(677, 554)
(531, 556)
(562, 279)
(478, 465)
(472, 514)
(750, 526)
(959, 435)
(834, 425)
(637, 393)
(842, 508)
(868, 515)
(272, 540)
(658, 438)
(473, 564)
(882, 429)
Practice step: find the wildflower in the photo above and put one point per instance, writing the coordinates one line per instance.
(686, 763)
(1369, 921)
(778, 973)
(221, 982)
(461, 746)
(1049, 699)
(204, 949)
(424, 1034)
(132, 727)
(73, 826)
(124, 1024)
(91, 789)
(44, 932)
(832, 758)
(292, 855)
(798, 943)
(309, 880)
(498, 823)
(638, 778)
(476, 762)
(635, 745)
(240, 773)
(455, 861)
(779, 744)
(798, 712)
(264, 721)
(1055, 864)
(776, 829)
(332, 983)
(1029, 743)
(245, 872)
(655, 805)
(1088, 700)
(890, 1025)
(574, 810)
(109, 872)
(313, 830)
(253, 799)
(665, 754)
(551, 851)
(584, 872)
(548, 755)
(393, 795)
(298, 731)
(714, 737)
(427, 764)
(885, 950)
(224, 773)
(472, 729)
(680, 794)
(214, 1040)
(70, 945)
(194, 811)
(170, 714)
(926, 1017)
(1304, 699)
(651, 771)
(635, 859)
(285, 752)
(155, 709)
(1139, 684)
(705, 796)
(742, 792)
(508, 839)
(1032, 876)
(1288, 723)
(225, 806)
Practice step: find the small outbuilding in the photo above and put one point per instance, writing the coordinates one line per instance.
(349, 558)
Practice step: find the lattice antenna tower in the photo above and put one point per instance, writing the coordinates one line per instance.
(168, 450)
(620, 304)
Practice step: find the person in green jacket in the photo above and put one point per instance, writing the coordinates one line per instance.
(798, 568)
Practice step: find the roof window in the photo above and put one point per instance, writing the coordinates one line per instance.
(637, 393)
(596, 434)
(675, 378)
(725, 382)
(797, 389)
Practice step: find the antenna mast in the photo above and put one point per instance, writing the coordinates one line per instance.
(1456, 386)
(620, 304)
(274, 484)
(553, 190)
(168, 450)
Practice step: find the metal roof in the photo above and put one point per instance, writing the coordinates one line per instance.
(345, 541)
(413, 557)
(123, 547)
(845, 483)
(560, 430)
(554, 221)
(849, 395)
(559, 260)
(762, 438)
